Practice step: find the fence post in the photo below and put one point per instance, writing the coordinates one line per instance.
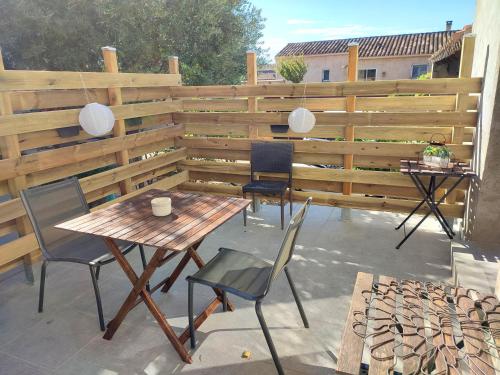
(352, 75)
(466, 60)
(252, 100)
(115, 98)
(10, 149)
(173, 65)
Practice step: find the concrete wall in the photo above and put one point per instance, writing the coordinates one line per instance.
(483, 213)
(387, 67)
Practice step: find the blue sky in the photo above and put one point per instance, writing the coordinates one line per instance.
(301, 20)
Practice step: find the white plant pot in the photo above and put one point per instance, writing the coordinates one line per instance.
(161, 206)
(427, 159)
(443, 162)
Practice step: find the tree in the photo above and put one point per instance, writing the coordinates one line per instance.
(209, 36)
(293, 68)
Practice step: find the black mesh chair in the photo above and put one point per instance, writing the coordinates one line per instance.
(270, 157)
(249, 277)
(52, 204)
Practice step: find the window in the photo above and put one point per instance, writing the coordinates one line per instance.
(418, 70)
(367, 74)
(326, 75)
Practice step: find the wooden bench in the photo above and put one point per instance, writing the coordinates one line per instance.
(411, 327)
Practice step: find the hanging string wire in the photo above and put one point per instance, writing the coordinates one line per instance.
(84, 88)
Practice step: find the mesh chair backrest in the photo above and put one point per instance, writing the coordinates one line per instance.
(271, 157)
(288, 245)
(52, 204)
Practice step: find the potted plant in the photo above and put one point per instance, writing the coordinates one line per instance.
(437, 156)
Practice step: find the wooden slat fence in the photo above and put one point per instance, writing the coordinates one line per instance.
(391, 120)
(198, 138)
(138, 156)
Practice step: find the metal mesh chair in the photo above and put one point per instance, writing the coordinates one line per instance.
(52, 204)
(270, 157)
(250, 277)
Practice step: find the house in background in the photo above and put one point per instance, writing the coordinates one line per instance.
(446, 60)
(401, 56)
(268, 73)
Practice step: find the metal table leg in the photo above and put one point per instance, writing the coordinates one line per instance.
(419, 205)
(429, 198)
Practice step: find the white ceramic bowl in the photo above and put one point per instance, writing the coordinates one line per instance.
(161, 206)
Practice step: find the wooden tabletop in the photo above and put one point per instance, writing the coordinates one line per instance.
(193, 217)
(418, 167)
(412, 327)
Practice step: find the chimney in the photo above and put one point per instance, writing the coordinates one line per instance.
(448, 25)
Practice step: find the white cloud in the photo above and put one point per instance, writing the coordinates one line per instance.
(299, 22)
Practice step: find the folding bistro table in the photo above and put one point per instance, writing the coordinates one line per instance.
(417, 170)
(193, 217)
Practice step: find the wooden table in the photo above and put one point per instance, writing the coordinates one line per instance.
(193, 217)
(416, 170)
(413, 327)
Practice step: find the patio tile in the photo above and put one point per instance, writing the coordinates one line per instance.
(52, 340)
(329, 254)
(133, 349)
(12, 365)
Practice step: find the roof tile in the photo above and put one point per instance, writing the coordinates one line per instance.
(373, 46)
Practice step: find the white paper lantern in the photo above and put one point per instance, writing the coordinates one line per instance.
(96, 119)
(301, 120)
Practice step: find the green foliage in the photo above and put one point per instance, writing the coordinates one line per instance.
(425, 76)
(209, 36)
(440, 151)
(293, 69)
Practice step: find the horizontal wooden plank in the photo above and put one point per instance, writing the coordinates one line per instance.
(37, 121)
(53, 174)
(130, 170)
(359, 88)
(392, 104)
(73, 154)
(67, 170)
(328, 186)
(434, 119)
(165, 184)
(413, 103)
(233, 130)
(11, 209)
(337, 131)
(18, 80)
(332, 199)
(17, 248)
(50, 99)
(232, 105)
(51, 137)
(311, 173)
(351, 350)
(402, 150)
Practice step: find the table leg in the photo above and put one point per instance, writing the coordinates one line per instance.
(139, 289)
(431, 202)
(428, 194)
(176, 272)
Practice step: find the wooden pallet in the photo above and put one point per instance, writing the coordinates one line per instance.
(411, 327)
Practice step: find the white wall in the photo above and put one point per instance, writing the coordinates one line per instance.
(483, 211)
